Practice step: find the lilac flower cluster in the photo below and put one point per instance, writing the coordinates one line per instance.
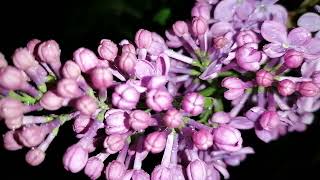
(234, 66)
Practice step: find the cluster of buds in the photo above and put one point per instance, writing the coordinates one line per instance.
(187, 97)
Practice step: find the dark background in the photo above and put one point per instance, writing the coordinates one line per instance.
(78, 23)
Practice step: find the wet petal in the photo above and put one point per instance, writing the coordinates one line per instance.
(299, 36)
(310, 21)
(273, 31)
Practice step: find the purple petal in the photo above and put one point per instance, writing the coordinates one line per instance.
(317, 35)
(312, 49)
(144, 68)
(233, 94)
(233, 160)
(220, 29)
(274, 50)
(222, 170)
(299, 36)
(244, 10)
(279, 13)
(265, 136)
(268, 2)
(273, 31)
(162, 65)
(241, 123)
(310, 21)
(225, 10)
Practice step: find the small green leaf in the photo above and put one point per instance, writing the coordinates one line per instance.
(162, 16)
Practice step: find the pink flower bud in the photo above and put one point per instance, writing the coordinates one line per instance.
(245, 37)
(173, 118)
(269, 120)
(32, 45)
(71, 70)
(202, 139)
(220, 117)
(227, 138)
(33, 135)
(14, 123)
(114, 143)
(75, 158)
(81, 123)
(94, 168)
(85, 59)
(286, 87)
(143, 39)
(264, 78)
(68, 88)
(308, 89)
(236, 87)
(161, 172)
(220, 42)
(49, 51)
(248, 58)
(86, 105)
(139, 120)
(128, 48)
(155, 142)
(11, 108)
(154, 82)
(125, 97)
(115, 120)
(180, 28)
(199, 26)
(107, 50)
(23, 59)
(51, 101)
(197, 170)
(11, 78)
(201, 10)
(293, 59)
(101, 78)
(127, 62)
(3, 61)
(159, 100)
(115, 170)
(193, 103)
(35, 156)
(10, 141)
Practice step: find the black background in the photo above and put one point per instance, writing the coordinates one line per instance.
(78, 23)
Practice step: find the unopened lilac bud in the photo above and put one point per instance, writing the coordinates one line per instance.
(173, 118)
(101, 78)
(129, 48)
(248, 58)
(11, 78)
(35, 156)
(269, 120)
(199, 26)
(115, 120)
(220, 117)
(107, 50)
(81, 123)
(227, 138)
(143, 39)
(286, 87)
(127, 62)
(49, 51)
(193, 103)
(155, 142)
(115, 170)
(32, 45)
(11, 108)
(220, 42)
(23, 59)
(308, 89)
(161, 172)
(33, 135)
(180, 28)
(10, 141)
(71, 70)
(197, 170)
(125, 97)
(235, 85)
(3, 61)
(139, 120)
(202, 139)
(86, 105)
(75, 158)
(51, 101)
(201, 10)
(245, 37)
(140, 175)
(114, 143)
(293, 59)
(85, 59)
(159, 100)
(14, 123)
(93, 168)
(154, 82)
(68, 88)
(264, 78)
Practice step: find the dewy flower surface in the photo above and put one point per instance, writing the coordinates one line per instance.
(187, 97)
